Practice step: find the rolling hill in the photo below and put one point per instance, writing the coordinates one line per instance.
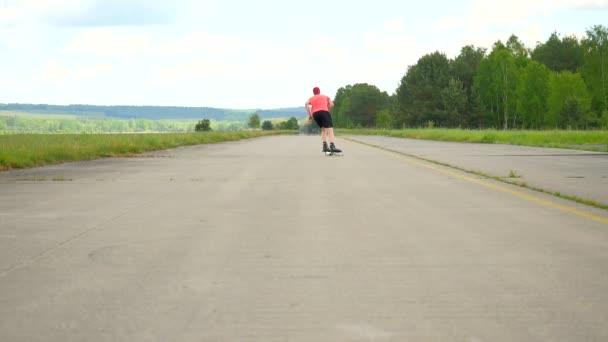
(154, 112)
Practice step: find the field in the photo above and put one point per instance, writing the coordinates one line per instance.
(33, 122)
(582, 140)
(29, 150)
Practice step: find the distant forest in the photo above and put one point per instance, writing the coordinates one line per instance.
(154, 112)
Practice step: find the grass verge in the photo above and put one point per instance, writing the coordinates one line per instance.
(579, 140)
(29, 150)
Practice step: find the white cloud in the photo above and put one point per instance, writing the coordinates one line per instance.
(108, 42)
(482, 15)
(93, 71)
(233, 62)
(118, 13)
(193, 70)
(387, 54)
(8, 16)
(22, 22)
(59, 72)
(55, 72)
(89, 12)
(446, 23)
(8, 40)
(504, 13)
(585, 4)
(197, 42)
(483, 23)
(28, 12)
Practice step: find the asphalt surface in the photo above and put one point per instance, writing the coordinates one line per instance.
(269, 240)
(582, 174)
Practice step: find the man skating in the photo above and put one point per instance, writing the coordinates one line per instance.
(318, 107)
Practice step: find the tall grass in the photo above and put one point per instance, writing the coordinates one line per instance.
(585, 140)
(28, 150)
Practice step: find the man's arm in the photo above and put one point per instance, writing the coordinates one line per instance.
(307, 107)
(330, 103)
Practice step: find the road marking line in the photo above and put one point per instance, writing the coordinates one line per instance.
(520, 194)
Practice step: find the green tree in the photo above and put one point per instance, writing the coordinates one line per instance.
(341, 106)
(496, 83)
(254, 121)
(384, 119)
(595, 68)
(292, 124)
(569, 101)
(454, 98)
(365, 102)
(358, 105)
(203, 126)
(419, 93)
(560, 54)
(267, 125)
(518, 50)
(486, 93)
(342, 110)
(532, 93)
(464, 68)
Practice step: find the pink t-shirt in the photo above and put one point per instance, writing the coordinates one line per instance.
(318, 103)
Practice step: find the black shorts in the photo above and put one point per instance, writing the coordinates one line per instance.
(323, 119)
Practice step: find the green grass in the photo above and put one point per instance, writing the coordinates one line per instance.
(581, 140)
(513, 174)
(12, 122)
(30, 150)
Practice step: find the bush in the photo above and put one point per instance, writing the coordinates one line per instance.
(203, 126)
(267, 126)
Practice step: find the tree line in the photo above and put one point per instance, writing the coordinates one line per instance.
(267, 125)
(560, 83)
(151, 112)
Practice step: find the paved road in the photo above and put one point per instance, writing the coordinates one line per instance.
(577, 173)
(268, 240)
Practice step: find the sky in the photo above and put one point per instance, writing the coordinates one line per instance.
(249, 54)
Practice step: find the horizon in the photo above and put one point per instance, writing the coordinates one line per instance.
(136, 105)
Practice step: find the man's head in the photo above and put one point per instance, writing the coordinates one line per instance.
(316, 90)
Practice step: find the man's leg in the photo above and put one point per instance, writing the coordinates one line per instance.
(324, 134)
(332, 147)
